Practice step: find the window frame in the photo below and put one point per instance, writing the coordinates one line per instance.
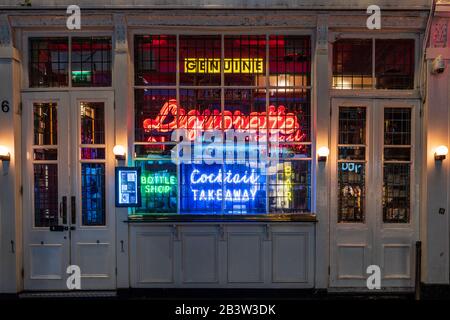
(60, 34)
(334, 36)
(222, 87)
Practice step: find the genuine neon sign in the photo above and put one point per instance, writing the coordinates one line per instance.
(276, 121)
(213, 65)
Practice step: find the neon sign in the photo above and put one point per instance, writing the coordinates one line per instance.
(161, 183)
(217, 189)
(238, 195)
(213, 65)
(276, 121)
(351, 167)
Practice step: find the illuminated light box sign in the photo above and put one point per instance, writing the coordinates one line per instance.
(278, 121)
(160, 182)
(213, 189)
(128, 187)
(213, 65)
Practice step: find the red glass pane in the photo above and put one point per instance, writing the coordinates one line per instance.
(155, 60)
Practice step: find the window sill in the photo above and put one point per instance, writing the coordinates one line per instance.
(309, 217)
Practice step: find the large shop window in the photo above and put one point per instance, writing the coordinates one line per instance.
(223, 124)
(356, 67)
(90, 65)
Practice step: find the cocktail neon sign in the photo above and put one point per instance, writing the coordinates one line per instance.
(225, 186)
(276, 121)
(213, 65)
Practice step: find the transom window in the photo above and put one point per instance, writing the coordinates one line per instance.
(254, 85)
(373, 64)
(90, 65)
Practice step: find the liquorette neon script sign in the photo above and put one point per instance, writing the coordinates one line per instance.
(277, 121)
(213, 65)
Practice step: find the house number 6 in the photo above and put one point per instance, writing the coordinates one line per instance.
(5, 106)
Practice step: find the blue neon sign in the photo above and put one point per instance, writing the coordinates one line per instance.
(222, 189)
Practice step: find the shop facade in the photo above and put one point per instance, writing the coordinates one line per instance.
(284, 146)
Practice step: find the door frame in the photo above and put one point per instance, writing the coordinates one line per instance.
(107, 279)
(68, 158)
(56, 280)
(379, 235)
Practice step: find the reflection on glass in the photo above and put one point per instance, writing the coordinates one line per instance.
(290, 61)
(93, 153)
(91, 61)
(93, 194)
(396, 192)
(45, 195)
(45, 124)
(155, 60)
(245, 60)
(49, 62)
(289, 187)
(397, 126)
(45, 154)
(352, 125)
(352, 153)
(352, 64)
(394, 63)
(92, 123)
(397, 154)
(154, 151)
(351, 193)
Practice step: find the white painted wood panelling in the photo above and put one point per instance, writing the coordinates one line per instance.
(244, 255)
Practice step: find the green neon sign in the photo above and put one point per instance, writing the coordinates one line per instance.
(161, 183)
(81, 76)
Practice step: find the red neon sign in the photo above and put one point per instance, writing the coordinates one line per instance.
(276, 121)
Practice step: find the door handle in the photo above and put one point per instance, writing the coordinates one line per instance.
(73, 213)
(64, 210)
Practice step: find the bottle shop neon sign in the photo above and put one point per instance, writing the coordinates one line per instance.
(159, 183)
(276, 121)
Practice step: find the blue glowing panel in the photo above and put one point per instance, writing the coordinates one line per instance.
(128, 187)
(219, 189)
(93, 194)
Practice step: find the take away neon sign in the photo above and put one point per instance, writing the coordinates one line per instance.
(277, 122)
(214, 65)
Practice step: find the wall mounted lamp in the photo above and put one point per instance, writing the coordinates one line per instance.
(323, 154)
(440, 153)
(4, 154)
(119, 152)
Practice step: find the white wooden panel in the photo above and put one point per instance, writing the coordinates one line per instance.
(351, 261)
(199, 257)
(290, 257)
(154, 261)
(94, 260)
(245, 257)
(232, 255)
(46, 261)
(396, 261)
